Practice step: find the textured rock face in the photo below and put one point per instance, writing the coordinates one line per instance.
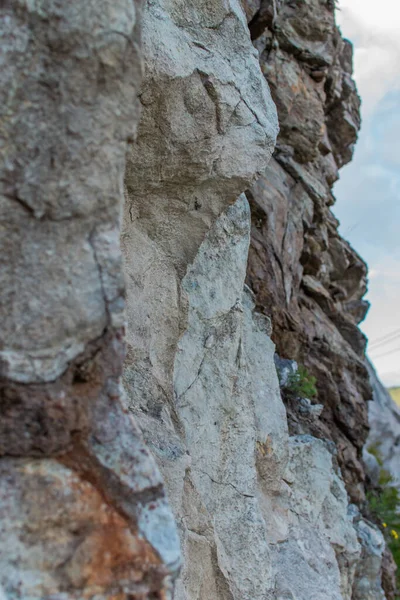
(251, 503)
(208, 129)
(384, 418)
(82, 506)
(305, 277)
(368, 580)
(319, 556)
(255, 487)
(200, 373)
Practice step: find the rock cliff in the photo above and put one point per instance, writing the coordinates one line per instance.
(384, 418)
(83, 512)
(233, 265)
(308, 279)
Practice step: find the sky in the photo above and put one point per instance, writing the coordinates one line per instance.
(368, 192)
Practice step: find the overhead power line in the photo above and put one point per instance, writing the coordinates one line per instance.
(385, 339)
(386, 353)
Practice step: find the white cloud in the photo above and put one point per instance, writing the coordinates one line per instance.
(375, 17)
(374, 31)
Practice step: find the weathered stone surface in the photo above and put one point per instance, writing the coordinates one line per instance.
(368, 581)
(83, 512)
(320, 555)
(261, 514)
(61, 539)
(259, 501)
(305, 277)
(308, 280)
(208, 128)
(384, 418)
(64, 121)
(224, 379)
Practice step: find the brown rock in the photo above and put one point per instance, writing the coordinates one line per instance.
(318, 75)
(309, 280)
(63, 530)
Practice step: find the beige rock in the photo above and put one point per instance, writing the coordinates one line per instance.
(260, 514)
(208, 128)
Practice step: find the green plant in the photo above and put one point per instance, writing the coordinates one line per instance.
(385, 505)
(301, 383)
(374, 450)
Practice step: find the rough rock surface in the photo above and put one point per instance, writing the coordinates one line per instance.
(208, 128)
(83, 512)
(368, 577)
(305, 277)
(384, 436)
(261, 514)
(256, 488)
(384, 418)
(200, 373)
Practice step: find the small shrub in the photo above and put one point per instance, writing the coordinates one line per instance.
(302, 384)
(374, 450)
